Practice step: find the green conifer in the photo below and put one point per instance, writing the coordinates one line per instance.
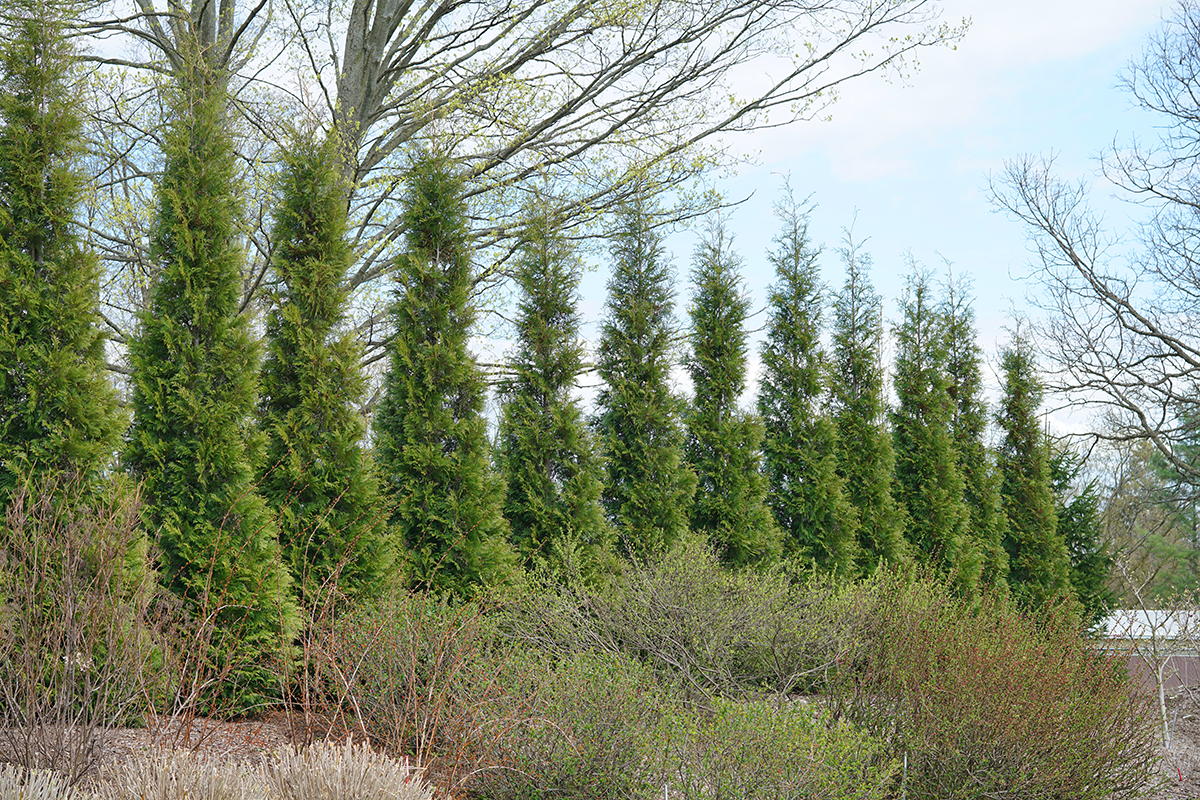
(1039, 564)
(548, 456)
(194, 391)
(929, 483)
(968, 428)
(649, 487)
(800, 450)
(1078, 511)
(866, 461)
(430, 433)
(723, 442)
(57, 410)
(332, 521)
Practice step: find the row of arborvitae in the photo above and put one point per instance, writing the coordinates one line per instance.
(256, 518)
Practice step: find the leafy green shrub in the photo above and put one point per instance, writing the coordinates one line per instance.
(588, 728)
(326, 771)
(766, 749)
(987, 702)
(598, 726)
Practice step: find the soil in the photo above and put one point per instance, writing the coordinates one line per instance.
(1181, 761)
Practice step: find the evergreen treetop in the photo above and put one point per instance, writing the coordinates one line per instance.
(929, 482)
(57, 410)
(1039, 564)
(866, 460)
(192, 444)
(723, 442)
(969, 422)
(800, 449)
(1078, 511)
(649, 488)
(332, 520)
(430, 433)
(548, 456)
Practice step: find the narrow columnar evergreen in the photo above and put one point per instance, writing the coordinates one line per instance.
(548, 456)
(723, 442)
(866, 460)
(968, 427)
(57, 410)
(1079, 522)
(800, 449)
(195, 370)
(1039, 565)
(929, 483)
(430, 433)
(648, 490)
(332, 521)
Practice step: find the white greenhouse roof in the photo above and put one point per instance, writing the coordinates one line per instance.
(1152, 623)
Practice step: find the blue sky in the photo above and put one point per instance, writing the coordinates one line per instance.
(908, 165)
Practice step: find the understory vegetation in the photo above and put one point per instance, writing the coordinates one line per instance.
(677, 678)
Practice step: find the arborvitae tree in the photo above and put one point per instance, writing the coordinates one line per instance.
(723, 442)
(1039, 565)
(800, 450)
(57, 410)
(968, 428)
(548, 456)
(195, 381)
(649, 488)
(866, 461)
(1079, 522)
(929, 484)
(430, 433)
(332, 521)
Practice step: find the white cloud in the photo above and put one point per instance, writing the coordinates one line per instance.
(1013, 45)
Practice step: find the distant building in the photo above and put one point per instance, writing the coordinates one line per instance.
(1158, 644)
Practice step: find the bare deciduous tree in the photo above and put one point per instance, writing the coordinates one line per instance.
(1124, 311)
(584, 97)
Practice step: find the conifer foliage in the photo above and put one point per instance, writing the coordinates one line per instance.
(649, 488)
(430, 433)
(866, 460)
(1039, 565)
(1082, 530)
(194, 390)
(57, 411)
(800, 450)
(929, 483)
(332, 522)
(981, 483)
(548, 455)
(723, 443)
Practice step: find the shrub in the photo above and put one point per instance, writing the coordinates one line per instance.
(716, 631)
(987, 702)
(163, 774)
(76, 654)
(18, 783)
(768, 750)
(589, 727)
(417, 673)
(325, 771)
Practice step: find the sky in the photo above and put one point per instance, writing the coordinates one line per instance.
(907, 166)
